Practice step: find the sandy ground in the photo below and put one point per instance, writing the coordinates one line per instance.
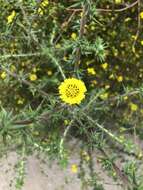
(42, 176)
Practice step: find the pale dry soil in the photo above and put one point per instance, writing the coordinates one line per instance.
(49, 176)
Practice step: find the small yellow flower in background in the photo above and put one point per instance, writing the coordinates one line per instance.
(120, 78)
(49, 72)
(115, 52)
(74, 168)
(118, 1)
(125, 97)
(133, 107)
(12, 68)
(11, 17)
(33, 77)
(94, 82)
(65, 58)
(93, 28)
(128, 19)
(66, 122)
(20, 101)
(74, 36)
(3, 75)
(111, 76)
(34, 69)
(134, 37)
(141, 110)
(107, 86)
(140, 155)
(104, 66)
(142, 42)
(91, 71)
(40, 11)
(58, 46)
(81, 14)
(85, 156)
(141, 15)
(104, 96)
(72, 91)
(45, 3)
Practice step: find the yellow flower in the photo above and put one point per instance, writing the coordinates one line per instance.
(65, 58)
(120, 78)
(58, 46)
(40, 11)
(104, 96)
(93, 28)
(107, 86)
(94, 82)
(74, 168)
(74, 36)
(34, 70)
(140, 155)
(142, 42)
(45, 3)
(141, 15)
(104, 66)
(111, 76)
(118, 1)
(128, 19)
(72, 91)
(85, 156)
(20, 101)
(134, 37)
(33, 77)
(13, 68)
(3, 75)
(49, 72)
(125, 97)
(133, 107)
(91, 71)
(11, 17)
(66, 122)
(81, 14)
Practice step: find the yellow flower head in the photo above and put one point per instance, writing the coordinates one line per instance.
(33, 77)
(104, 66)
(104, 96)
(120, 78)
(142, 42)
(74, 36)
(91, 71)
(11, 17)
(118, 1)
(20, 101)
(111, 76)
(133, 107)
(141, 15)
(49, 72)
(3, 75)
(125, 97)
(72, 91)
(45, 3)
(40, 11)
(74, 168)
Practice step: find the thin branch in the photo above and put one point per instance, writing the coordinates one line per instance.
(20, 55)
(108, 10)
(138, 27)
(81, 33)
